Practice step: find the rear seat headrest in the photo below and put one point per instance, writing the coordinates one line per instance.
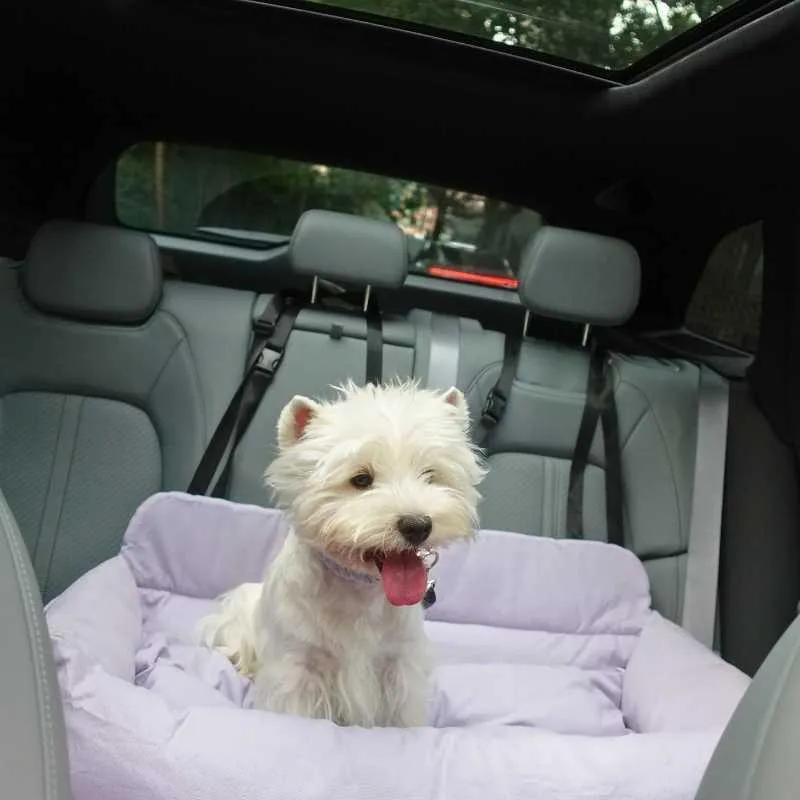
(580, 277)
(93, 272)
(354, 250)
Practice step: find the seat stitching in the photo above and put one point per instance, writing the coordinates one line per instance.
(195, 370)
(50, 477)
(66, 492)
(481, 373)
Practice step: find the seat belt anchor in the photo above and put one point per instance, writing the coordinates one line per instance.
(493, 409)
(264, 327)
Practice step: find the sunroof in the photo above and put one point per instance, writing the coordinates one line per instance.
(606, 34)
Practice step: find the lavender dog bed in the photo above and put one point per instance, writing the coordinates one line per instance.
(554, 678)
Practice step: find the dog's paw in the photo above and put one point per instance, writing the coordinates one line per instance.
(231, 630)
(411, 716)
(245, 659)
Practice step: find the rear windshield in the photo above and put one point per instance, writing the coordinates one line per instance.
(255, 201)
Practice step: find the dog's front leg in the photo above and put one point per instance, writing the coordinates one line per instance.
(231, 629)
(289, 684)
(405, 689)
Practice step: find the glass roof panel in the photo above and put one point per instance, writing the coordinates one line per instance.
(606, 34)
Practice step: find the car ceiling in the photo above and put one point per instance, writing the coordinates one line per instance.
(670, 161)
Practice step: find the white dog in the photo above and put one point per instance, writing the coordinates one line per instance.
(336, 629)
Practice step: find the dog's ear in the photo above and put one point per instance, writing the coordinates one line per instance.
(455, 397)
(294, 419)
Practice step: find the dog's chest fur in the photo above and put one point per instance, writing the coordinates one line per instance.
(335, 648)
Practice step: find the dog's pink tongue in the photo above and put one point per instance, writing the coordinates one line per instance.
(404, 578)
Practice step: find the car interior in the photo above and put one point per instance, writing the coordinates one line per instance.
(627, 186)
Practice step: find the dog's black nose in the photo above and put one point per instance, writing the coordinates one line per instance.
(415, 528)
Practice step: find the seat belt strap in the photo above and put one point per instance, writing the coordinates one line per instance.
(231, 425)
(262, 375)
(374, 368)
(705, 527)
(445, 352)
(600, 407)
(497, 399)
(271, 333)
(615, 518)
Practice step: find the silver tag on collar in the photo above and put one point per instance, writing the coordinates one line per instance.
(429, 559)
(429, 598)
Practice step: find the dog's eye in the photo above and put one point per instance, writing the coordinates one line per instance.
(363, 480)
(428, 475)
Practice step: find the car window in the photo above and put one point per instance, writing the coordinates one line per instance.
(726, 305)
(255, 200)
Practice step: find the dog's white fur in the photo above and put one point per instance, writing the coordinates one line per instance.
(322, 645)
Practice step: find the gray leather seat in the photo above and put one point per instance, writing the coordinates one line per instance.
(112, 383)
(33, 752)
(103, 399)
(593, 280)
(756, 758)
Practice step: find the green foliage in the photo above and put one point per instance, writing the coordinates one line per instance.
(179, 188)
(135, 187)
(606, 33)
(225, 188)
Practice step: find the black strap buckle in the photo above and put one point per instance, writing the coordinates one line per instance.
(264, 327)
(266, 324)
(268, 361)
(493, 409)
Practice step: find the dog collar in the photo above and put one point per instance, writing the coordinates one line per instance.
(346, 573)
